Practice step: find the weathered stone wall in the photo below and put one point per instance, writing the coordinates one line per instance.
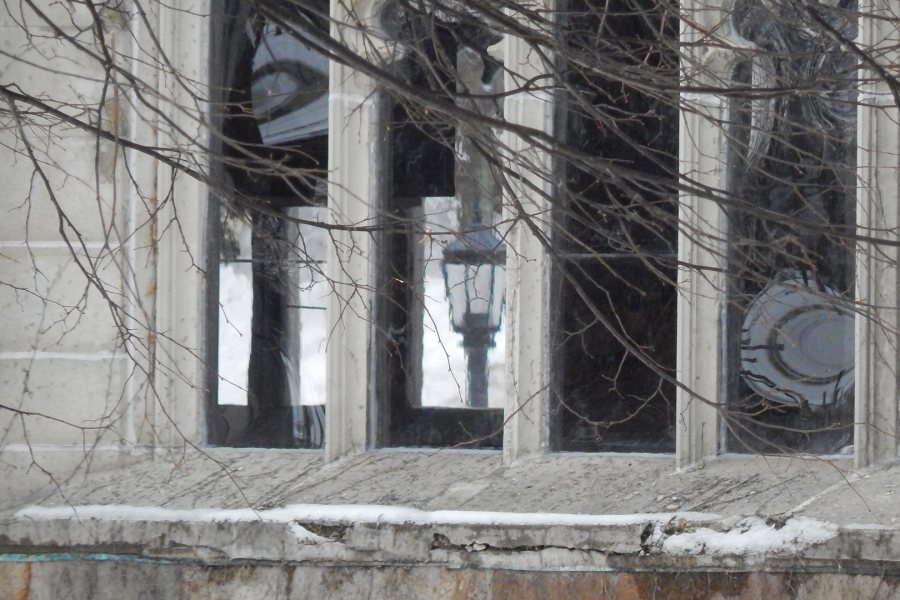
(61, 208)
(116, 579)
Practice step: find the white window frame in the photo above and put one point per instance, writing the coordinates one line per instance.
(700, 362)
(354, 199)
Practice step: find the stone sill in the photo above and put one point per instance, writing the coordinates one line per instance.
(362, 536)
(455, 509)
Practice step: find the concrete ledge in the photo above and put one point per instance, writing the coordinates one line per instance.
(376, 536)
(280, 524)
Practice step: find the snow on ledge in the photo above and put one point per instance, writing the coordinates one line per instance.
(349, 514)
(697, 534)
(750, 536)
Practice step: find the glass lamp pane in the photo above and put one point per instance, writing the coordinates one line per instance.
(457, 292)
(479, 288)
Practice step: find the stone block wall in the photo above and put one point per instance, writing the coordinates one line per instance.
(102, 578)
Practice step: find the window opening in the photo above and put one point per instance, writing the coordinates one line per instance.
(790, 336)
(270, 388)
(613, 290)
(442, 290)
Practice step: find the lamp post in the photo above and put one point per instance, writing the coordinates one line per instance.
(474, 275)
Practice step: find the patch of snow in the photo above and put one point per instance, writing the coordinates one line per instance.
(752, 535)
(869, 526)
(348, 514)
(305, 536)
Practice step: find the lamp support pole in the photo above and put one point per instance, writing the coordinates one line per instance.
(477, 373)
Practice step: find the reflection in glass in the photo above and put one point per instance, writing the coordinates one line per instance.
(445, 372)
(425, 372)
(272, 161)
(474, 266)
(791, 314)
(613, 293)
(306, 362)
(435, 384)
(296, 269)
(289, 86)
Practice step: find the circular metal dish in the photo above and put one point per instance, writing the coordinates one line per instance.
(797, 343)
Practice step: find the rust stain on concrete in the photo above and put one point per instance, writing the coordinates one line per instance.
(724, 586)
(627, 587)
(15, 581)
(212, 581)
(467, 584)
(640, 586)
(555, 586)
(25, 590)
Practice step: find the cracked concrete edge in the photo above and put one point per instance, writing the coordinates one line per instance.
(489, 546)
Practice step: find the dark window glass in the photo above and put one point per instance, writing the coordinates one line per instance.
(441, 292)
(613, 344)
(269, 386)
(790, 312)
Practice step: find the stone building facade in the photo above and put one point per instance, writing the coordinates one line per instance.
(122, 476)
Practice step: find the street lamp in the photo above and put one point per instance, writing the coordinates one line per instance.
(474, 275)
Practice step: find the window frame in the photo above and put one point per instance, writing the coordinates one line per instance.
(700, 429)
(278, 424)
(355, 118)
(422, 164)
